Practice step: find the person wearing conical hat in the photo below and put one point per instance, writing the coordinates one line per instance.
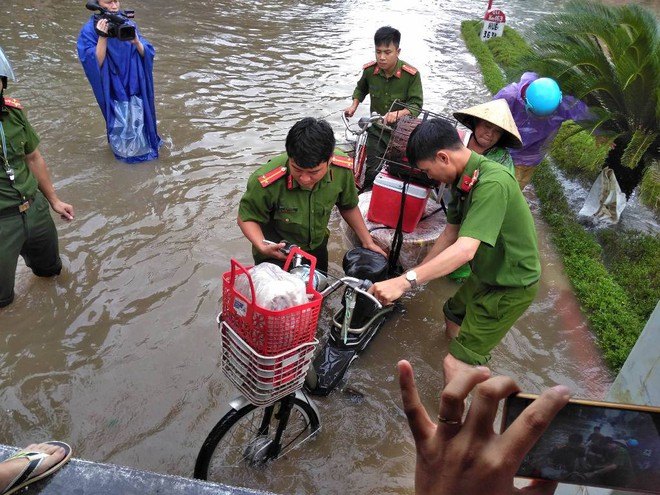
(491, 131)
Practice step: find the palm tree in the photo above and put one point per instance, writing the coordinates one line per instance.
(609, 56)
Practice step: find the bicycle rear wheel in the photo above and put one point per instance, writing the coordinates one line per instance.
(248, 436)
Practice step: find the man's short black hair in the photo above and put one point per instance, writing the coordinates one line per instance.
(387, 35)
(310, 141)
(429, 137)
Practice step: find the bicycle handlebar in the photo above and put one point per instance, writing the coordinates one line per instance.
(355, 284)
(363, 123)
(352, 282)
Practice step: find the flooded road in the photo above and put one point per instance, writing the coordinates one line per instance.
(119, 355)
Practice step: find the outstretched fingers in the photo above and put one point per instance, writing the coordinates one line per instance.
(523, 433)
(452, 399)
(418, 419)
(485, 402)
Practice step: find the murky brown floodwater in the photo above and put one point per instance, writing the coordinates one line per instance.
(120, 354)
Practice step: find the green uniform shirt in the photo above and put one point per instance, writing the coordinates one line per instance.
(20, 140)
(285, 211)
(496, 213)
(383, 91)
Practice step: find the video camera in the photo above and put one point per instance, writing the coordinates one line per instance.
(118, 24)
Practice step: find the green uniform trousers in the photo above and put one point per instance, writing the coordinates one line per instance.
(33, 236)
(485, 314)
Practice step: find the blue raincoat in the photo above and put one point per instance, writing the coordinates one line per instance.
(124, 89)
(537, 133)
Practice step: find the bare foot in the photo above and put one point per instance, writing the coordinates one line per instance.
(10, 469)
(452, 366)
(451, 329)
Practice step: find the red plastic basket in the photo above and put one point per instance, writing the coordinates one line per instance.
(269, 332)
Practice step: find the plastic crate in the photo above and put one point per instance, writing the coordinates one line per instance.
(269, 332)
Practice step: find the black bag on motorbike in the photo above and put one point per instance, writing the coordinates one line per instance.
(365, 264)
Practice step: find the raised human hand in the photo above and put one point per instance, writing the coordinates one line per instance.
(466, 456)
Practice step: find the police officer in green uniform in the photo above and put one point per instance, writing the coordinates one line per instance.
(26, 190)
(489, 224)
(291, 197)
(386, 80)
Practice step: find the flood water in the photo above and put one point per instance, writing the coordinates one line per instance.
(119, 355)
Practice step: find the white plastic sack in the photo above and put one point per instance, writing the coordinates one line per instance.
(605, 199)
(274, 288)
(128, 136)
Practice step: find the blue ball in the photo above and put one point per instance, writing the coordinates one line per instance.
(543, 96)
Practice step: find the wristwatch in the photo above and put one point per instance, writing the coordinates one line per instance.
(411, 277)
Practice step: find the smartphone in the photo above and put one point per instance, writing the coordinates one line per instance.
(590, 443)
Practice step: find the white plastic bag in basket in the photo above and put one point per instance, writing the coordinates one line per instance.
(274, 288)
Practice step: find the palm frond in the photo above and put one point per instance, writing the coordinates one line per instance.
(637, 147)
(609, 56)
(649, 189)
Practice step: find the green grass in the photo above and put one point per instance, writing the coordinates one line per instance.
(617, 291)
(493, 75)
(633, 259)
(577, 153)
(605, 302)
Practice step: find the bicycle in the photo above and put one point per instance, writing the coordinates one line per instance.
(274, 415)
(359, 151)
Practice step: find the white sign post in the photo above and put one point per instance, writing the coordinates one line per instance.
(494, 21)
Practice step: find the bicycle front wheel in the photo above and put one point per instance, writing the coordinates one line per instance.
(248, 436)
(360, 160)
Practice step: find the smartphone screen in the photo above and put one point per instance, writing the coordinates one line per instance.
(589, 443)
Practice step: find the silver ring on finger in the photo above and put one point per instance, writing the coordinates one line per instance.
(447, 421)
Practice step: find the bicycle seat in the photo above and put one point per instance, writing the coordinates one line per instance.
(365, 264)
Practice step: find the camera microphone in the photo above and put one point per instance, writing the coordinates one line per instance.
(93, 5)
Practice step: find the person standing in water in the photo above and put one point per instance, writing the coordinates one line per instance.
(120, 71)
(491, 130)
(387, 80)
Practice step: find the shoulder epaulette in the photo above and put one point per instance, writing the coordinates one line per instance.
(270, 177)
(14, 103)
(410, 69)
(369, 64)
(342, 161)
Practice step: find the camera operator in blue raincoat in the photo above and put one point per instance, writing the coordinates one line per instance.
(118, 63)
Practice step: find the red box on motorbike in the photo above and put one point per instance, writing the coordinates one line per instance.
(385, 202)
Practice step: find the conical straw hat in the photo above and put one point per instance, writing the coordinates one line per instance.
(496, 112)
